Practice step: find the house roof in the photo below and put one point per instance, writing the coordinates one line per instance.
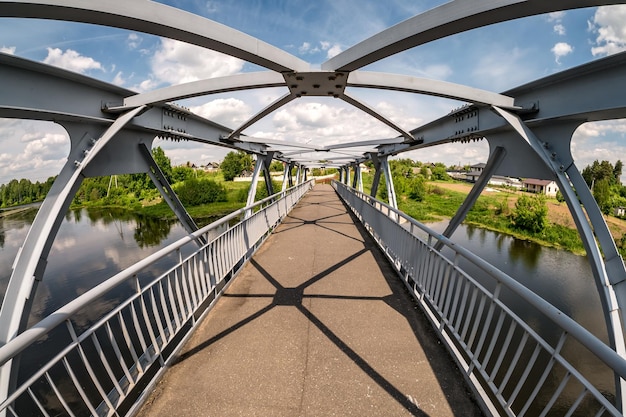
(533, 181)
(480, 165)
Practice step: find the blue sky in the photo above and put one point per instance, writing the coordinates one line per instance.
(495, 58)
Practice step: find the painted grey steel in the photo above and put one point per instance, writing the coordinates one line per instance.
(161, 20)
(532, 123)
(238, 82)
(367, 109)
(31, 260)
(391, 190)
(165, 189)
(476, 324)
(446, 20)
(408, 84)
(153, 322)
(610, 298)
(495, 159)
(267, 110)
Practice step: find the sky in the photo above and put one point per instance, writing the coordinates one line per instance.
(496, 58)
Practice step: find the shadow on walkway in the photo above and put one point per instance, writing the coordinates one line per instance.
(317, 324)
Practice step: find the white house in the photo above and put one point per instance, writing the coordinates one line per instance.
(547, 187)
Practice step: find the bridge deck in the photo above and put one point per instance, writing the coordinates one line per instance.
(317, 324)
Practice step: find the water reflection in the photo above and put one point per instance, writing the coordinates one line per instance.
(525, 251)
(91, 246)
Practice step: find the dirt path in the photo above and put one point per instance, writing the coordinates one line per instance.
(558, 213)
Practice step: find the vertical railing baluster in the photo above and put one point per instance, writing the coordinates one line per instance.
(544, 376)
(67, 408)
(172, 292)
(118, 353)
(79, 387)
(157, 318)
(106, 364)
(87, 364)
(129, 343)
(37, 403)
(166, 311)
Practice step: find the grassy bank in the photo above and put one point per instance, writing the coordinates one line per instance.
(491, 212)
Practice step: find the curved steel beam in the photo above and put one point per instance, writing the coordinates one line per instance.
(376, 115)
(406, 83)
(275, 105)
(30, 263)
(238, 82)
(448, 19)
(158, 19)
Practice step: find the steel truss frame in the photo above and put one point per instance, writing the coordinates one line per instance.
(528, 128)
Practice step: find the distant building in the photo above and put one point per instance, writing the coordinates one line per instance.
(474, 172)
(547, 187)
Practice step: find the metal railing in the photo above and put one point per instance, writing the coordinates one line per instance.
(514, 368)
(108, 366)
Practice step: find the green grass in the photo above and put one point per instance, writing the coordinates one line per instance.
(490, 212)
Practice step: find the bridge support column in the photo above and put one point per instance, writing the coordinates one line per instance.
(376, 179)
(608, 271)
(262, 163)
(358, 178)
(492, 164)
(391, 191)
(31, 260)
(267, 162)
(286, 175)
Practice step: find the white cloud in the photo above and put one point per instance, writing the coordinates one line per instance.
(177, 62)
(609, 23)
(600, 140)
(333, 51)
(330, 48)
(230, 112)
(559, 29)
(119, 79)
(212, 7)
(31, 149)
(133, 41)
(305, 48)
(560, 50)
(71, 60)
(8, 50)
(555, 16)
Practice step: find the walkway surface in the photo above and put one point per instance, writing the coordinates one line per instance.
(317, 324)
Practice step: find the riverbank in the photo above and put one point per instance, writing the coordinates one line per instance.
(492, 211)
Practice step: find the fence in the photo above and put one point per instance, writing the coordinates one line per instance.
(514, 368)
(107, 366)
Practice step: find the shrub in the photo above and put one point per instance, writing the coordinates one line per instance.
(417, 188)
(194, 192)
(530, 213)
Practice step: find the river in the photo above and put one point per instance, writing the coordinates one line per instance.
(94, 244)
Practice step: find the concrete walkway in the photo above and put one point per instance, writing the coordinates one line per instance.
(317, 324)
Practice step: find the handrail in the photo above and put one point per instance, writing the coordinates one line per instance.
(380, 218)
(196, 286)
(24, 339)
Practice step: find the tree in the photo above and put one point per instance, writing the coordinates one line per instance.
(530, 213)
(234, 164)
(617, 171)
(602, 194)
(163, 162)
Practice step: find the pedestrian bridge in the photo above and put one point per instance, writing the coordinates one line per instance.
(314, 321)
(349, 334)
